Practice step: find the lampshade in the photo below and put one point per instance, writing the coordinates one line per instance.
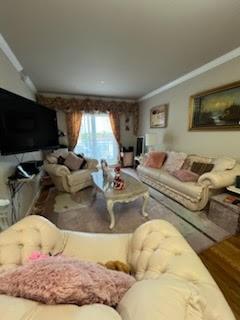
(153, 139)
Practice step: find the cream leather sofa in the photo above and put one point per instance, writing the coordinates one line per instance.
(66, 180)
(192, 195)
(172, 282)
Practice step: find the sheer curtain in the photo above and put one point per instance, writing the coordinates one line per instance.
(96, 139)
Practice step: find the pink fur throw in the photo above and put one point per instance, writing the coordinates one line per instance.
(61, 280)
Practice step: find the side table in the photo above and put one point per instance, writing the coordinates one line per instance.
(224, 214)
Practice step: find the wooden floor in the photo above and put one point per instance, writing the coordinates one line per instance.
(223, 262)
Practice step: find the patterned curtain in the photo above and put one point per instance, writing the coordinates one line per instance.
(115, 124)
(73, 120)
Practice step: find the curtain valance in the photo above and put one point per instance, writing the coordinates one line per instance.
(91, 105)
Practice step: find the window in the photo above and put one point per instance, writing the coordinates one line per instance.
(96, 139)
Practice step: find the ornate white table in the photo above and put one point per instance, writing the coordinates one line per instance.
(133, 190)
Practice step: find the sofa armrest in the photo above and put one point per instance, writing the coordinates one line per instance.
(92, 164)
(56, 169)
(219, 179)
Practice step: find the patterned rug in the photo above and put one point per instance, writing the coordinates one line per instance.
(82, 213)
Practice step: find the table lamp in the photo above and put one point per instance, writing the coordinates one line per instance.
(151, 140)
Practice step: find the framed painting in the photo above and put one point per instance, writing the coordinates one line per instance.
(158, 116)
(216, 109)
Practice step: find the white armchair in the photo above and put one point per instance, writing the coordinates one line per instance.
(172, 283)
(71, 181)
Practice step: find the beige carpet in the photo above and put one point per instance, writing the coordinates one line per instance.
(82, 213)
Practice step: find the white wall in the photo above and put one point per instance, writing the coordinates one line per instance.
(127, 137)
(11, 80)
(176, 135)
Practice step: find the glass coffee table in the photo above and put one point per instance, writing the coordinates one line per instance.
(133, 190)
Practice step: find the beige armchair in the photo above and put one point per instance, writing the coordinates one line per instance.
(71, 181)
(172, 283)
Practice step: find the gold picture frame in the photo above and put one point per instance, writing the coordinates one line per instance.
(159, 116)
(216, 109)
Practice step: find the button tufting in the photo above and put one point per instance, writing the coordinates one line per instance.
(178, 253)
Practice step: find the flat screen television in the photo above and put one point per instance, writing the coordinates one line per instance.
(25, 125)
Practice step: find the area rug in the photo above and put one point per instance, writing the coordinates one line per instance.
(83, 213)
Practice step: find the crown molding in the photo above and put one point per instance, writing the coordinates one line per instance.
(16, 64)
(206, 67)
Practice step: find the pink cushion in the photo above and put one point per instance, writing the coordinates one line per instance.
(73, 162)
(155, 159)
(185, 175)
(57, 280)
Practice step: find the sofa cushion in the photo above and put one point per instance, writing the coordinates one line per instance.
(151, 172)
(191, 189)
(79, 176)
(155, 159)
(32, 310)
(222, 164)
(57, 280)
(72, 312)
(201, 168)
(73, 162)
(174, 161)
(185, 175)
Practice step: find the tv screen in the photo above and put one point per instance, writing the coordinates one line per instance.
(25, 125)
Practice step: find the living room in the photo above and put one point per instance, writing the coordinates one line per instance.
(120, 145)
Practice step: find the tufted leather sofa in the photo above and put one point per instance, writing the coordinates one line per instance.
(172, 282)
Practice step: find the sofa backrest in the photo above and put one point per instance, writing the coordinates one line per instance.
(33, 233)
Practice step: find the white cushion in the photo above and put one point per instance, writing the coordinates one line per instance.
(174, 160)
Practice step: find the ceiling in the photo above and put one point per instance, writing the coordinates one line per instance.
(117, 48)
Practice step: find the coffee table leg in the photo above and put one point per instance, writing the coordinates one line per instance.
(111, 213)
(145, 202)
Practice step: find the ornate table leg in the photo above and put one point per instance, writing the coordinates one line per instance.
(110, 204)
(145, 202)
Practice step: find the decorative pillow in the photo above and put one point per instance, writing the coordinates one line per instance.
(222, 164)
(194, 158)
(201, 168)
(73, 162)
(185, 175)
(84, 163)
(51, 159)
(60, 160)
(174, 161)
(155, 159)
(61, 280)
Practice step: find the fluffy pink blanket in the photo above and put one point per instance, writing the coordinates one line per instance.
(57, 280)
